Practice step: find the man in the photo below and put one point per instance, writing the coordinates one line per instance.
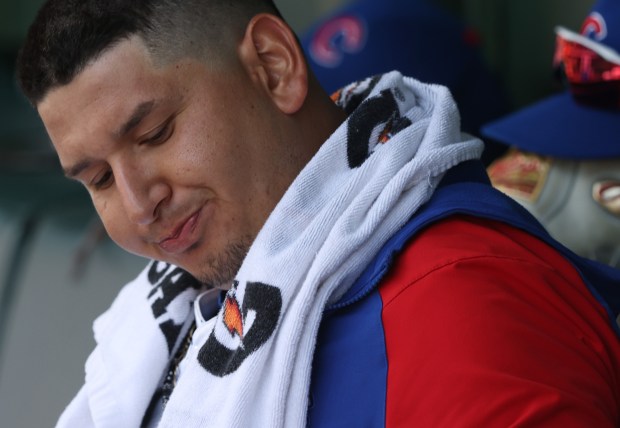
(373, 276)
(565, 163)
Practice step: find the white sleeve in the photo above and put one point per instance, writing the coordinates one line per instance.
(77, 413)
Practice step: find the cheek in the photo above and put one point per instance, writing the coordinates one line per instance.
(189, 163)
(205, 157)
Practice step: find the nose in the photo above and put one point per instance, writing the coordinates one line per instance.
(141, 193)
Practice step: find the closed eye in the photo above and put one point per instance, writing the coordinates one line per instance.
(159, 135)
(103, 181)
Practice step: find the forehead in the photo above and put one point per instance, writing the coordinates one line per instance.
(91, 111)
(112, 80)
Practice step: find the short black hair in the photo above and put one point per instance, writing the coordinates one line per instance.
(67, 35)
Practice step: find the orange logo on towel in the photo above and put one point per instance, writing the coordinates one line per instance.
(386, 134)
(233, 319)
(262, 304)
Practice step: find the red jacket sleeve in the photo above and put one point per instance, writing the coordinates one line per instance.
(486, 326)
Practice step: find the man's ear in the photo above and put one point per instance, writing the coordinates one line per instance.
(272, 56)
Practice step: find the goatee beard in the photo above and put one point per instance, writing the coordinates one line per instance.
(220, 270)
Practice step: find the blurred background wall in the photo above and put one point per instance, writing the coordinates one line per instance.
(517, 35)
(58, 271)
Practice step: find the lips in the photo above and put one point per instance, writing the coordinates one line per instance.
(607, 194)
(183, 236)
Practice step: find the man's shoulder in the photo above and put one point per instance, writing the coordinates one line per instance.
(467, 245)
(490, 310)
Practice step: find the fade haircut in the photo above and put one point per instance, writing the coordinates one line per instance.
(67, 35)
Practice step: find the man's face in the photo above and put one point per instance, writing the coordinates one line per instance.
(183, 163)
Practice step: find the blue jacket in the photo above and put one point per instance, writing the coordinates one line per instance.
(351, 342)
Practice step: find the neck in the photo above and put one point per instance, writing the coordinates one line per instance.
(320, 116)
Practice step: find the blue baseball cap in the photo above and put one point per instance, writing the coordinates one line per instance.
(415, 37)
(559, 126)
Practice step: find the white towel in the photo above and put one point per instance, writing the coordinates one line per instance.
(250, 366)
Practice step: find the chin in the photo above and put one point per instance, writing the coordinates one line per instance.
(219, 270)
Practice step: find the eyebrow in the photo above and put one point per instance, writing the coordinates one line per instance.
(76, 169)
(139, 113)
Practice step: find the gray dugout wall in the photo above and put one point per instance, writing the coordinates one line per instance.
(58, 272)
